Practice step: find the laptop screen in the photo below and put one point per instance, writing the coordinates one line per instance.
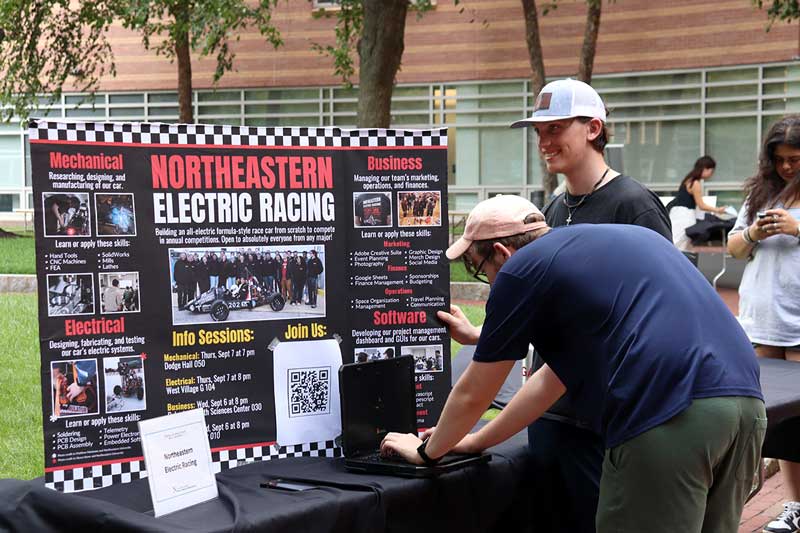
(376, 397)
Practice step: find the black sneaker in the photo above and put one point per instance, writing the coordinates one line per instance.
(788, 521)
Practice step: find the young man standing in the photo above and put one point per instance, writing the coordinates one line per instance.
(315, 269)
(646, 347)
(569, 120)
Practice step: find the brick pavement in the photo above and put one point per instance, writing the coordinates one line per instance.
(765, 505)
(768, 503)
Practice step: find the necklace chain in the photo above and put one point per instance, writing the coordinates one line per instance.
(574, 207)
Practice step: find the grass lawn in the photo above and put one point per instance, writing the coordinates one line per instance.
(458, 272)
(21, 447)
(18, 256)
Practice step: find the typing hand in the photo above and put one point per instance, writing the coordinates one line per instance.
(403, 444)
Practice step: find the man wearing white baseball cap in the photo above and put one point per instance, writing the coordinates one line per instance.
(569, 119)
(615, 311)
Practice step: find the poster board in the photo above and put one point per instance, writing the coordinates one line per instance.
(153, 246)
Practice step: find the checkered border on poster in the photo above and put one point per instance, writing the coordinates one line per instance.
(98, 476)
(231, 458)
(95, 476)
(209, 134)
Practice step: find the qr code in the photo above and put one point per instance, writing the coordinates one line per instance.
(309, 391)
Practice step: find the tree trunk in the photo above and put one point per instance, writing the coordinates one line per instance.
(536, 58)
(380, 50)
(586, 64)
(183, 56)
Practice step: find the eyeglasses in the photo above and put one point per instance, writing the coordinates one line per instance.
(477, 272)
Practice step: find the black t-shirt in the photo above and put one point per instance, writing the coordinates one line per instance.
(683, 198)
(373, 210)
(623, 200)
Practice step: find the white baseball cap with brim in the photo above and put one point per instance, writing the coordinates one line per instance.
(500, 216)
(562, 99)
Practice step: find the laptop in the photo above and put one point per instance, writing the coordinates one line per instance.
(378, 397)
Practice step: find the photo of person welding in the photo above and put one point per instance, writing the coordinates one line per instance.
(115, 214)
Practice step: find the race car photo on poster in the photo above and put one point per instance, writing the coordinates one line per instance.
(124, 384)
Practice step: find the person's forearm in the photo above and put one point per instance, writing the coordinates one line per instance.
(738, 247)
(466, 403)
(705, 207)
(537, 395)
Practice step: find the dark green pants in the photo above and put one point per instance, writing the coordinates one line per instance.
(690, 474)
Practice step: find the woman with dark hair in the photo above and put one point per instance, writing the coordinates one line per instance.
(768, 232)
(688, 198)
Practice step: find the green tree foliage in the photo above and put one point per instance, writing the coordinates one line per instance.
(349, 24)
(204, 27)
(44, 44)
(780, 10)
(60, 41)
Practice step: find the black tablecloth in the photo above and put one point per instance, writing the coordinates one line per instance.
(490, 497)
(711, 227)
(780, 383)
(481, 498)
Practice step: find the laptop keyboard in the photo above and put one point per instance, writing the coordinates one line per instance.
(376, 457)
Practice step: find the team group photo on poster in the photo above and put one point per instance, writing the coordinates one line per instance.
(247, 284)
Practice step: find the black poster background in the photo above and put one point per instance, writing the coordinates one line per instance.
(382, 282)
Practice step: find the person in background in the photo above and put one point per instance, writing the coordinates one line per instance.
(569, 119)
(268, 272)
(225, 270)
(182, 275)
(690, 196)
(315, 269)
(285, 268)
(213, 270)
(278, 273)
(113, 297)
(768, 232)
(193, 263)
(298, 273)
(201, 273)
